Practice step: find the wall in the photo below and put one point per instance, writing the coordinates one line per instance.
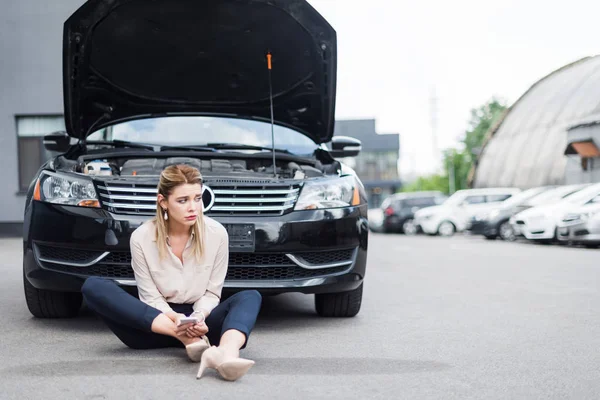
(574, 172)
(30, 78)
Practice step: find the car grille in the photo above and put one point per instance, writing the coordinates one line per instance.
(68, 256)
(242, 266)
(278, 273)
(230, 198)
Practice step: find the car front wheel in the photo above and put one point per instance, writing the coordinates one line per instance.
(409, 227)
(506, 232)
(343, 304)
(446, 229)
(49, 304)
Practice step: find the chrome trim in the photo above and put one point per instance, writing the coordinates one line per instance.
(126, 282)
(72, 264)
(132, 206)
(120, 197)
(126, 198)
(264, 191)
(257, 208)
(306, 265)
(128, 189)
(253, 199)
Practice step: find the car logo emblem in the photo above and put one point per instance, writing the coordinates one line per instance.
(208, 198)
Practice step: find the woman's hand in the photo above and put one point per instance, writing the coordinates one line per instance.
(197, 330)
(179, 330)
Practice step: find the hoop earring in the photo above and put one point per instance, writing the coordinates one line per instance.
(165, 215)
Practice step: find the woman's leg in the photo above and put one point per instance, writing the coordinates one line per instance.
(135, 323)
(232, 321)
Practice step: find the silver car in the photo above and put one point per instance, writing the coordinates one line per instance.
(582, 226)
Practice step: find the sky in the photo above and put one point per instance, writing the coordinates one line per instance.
(395, 56)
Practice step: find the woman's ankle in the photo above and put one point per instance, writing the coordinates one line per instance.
(229, 351)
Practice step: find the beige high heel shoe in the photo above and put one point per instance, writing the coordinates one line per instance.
(230, 370)
(196, 349)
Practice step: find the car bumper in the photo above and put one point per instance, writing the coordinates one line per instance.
(428, 226)
(583, 232)
(316, 251)
(482, 228)
(534, 230)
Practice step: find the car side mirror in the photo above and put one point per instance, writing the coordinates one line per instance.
(344, 146)
(57, 141)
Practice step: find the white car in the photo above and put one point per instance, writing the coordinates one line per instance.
(540, 223)
(582, 225)
(455, 214)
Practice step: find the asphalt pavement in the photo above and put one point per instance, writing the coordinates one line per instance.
(442, 318)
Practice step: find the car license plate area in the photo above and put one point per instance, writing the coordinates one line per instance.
(241, 237)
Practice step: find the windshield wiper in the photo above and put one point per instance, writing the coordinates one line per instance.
(239, 146)
(121, 143)
(191, 147)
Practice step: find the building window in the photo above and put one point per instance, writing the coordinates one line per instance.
(30, 137)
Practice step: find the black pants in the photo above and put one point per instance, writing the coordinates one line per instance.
(131, 319)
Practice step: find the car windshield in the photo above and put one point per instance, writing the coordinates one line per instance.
(198, 131)
(522, 197)
(583, 195)
(455, 199)
(554, 195)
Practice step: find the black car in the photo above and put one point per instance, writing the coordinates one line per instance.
(399, 210)
(154, 83)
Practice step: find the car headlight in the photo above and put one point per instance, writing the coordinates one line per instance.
(587, 215)
(329, 193)
(64, 189)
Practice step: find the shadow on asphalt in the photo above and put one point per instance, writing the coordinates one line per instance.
(264, 366)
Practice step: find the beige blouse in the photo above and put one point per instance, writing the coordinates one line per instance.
(169, 280)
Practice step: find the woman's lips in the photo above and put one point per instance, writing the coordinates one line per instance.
(190, 217)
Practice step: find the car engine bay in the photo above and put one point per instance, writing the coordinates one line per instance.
(212, 167)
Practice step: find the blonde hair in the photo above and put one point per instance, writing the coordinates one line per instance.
(170, 178)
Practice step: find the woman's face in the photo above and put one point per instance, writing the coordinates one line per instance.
(184, 204)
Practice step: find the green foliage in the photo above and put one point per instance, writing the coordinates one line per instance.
(460, 161)
(432, 182)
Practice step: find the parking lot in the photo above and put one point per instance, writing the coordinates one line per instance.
(443, 318)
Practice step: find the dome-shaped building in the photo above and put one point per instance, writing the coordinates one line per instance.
(550, 135)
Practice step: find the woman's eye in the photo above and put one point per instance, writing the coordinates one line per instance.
(181, 201)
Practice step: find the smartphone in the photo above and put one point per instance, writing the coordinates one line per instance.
(188, 320)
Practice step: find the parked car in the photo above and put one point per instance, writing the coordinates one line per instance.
(455, 214)
(187, 82)
(582, 225)
(375, 216)
(539, 223)
(495, 223)
(399, 210)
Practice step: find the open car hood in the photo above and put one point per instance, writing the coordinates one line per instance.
(130, 59)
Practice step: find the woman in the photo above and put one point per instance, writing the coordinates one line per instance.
(180, 261)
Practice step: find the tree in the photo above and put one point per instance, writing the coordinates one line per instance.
(458, 162)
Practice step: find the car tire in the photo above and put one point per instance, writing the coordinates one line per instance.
(446, 229)
(344, 304)
(409, 228)
(50, 304)
(506, 233)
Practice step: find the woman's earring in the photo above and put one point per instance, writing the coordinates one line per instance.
(165, 215)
